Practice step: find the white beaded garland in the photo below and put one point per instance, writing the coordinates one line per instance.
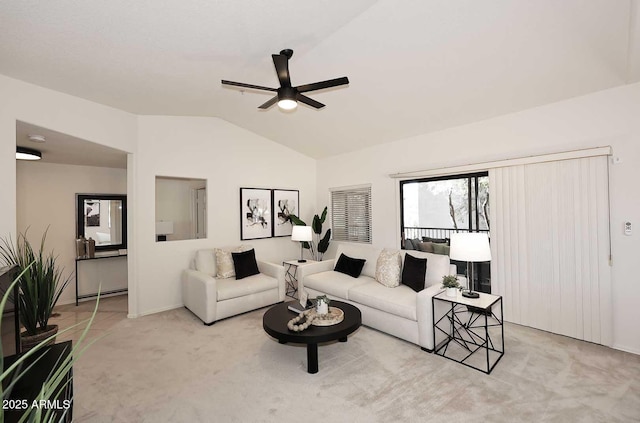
(291, 325)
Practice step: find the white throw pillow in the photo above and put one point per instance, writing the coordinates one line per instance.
(388, 268)
(224, 260)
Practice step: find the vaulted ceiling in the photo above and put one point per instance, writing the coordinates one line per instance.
(415, 66)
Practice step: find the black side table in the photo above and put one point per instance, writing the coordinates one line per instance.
(470, 331)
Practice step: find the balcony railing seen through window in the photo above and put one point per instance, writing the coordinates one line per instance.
(434, 208)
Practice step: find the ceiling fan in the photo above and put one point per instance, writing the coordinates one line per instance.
(287, 96)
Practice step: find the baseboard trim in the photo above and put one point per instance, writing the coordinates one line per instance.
(626, 349)
(158, 310)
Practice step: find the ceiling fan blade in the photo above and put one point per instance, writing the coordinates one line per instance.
(324, 84)
(269, 103)
(242, 84)
(309, 101)
(281, 62)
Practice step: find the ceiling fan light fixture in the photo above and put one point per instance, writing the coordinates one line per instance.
(287, 98)
(23, 153)
(287, 104)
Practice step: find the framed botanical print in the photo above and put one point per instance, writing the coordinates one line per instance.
(92, 213)
(255, 213)
(285, 203)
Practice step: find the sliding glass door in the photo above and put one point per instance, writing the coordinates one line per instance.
(434, 208)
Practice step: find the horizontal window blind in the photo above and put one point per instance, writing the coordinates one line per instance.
(351, 214)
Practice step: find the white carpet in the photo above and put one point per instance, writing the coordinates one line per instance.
(169, 367)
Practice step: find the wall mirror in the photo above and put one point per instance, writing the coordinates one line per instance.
(102, 217)
(181, 208)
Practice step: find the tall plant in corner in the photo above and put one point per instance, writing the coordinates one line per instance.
(57, 379)
(41, 283)
(321, 243)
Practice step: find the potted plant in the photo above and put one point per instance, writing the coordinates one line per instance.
(41, 285)
(322, 304)
(58, 377)
(320, 245)
(450, 282)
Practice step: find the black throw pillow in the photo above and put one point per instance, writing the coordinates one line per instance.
(414, 272)
(350, 266)
(245, 263)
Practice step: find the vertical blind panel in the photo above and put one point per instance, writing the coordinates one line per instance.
(550, 246)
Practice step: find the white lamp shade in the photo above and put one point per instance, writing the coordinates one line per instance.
(301, 233)
(164, 227)
(472, 246)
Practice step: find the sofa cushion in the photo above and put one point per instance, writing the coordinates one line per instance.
(231, 288)
(205, 262)
(245, 264)
(350, 266)
(437, 266)
(334, 284)
(224, 260)
(400, 301)
(426, 247)
(361, 251)
(388, 268)
(442, 249)
(414, 272)
(436, 240)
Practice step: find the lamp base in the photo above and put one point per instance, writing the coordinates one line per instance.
(470, 294)
(302, 261)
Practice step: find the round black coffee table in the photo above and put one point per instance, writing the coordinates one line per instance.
(275, 324)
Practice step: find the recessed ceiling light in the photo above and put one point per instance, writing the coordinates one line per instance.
(37, 138)
(23, 153)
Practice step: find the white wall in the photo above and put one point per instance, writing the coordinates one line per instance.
(228, 158)
(46, 198)
(59, 112)
(80, 118)
(610, 117)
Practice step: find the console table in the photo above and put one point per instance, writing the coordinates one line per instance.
(81, 259)
(290, 276)
(471, 330)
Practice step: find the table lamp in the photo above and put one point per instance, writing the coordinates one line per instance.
(163, 228)
(302, 234)
(471, 247)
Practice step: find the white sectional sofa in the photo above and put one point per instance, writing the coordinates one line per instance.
(398, 311)
(213, 299)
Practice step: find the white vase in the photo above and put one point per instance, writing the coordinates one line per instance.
(322, 307)
(452, 292)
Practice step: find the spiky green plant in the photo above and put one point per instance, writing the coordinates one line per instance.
(321, 244)
(40, 285)
(57, 379)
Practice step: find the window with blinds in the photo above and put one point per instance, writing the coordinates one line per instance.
(351, 214)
